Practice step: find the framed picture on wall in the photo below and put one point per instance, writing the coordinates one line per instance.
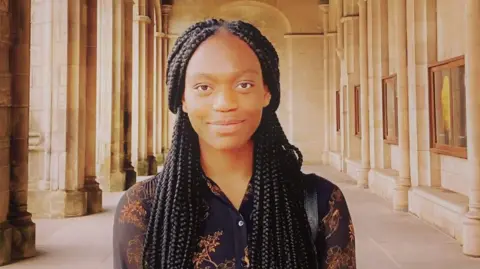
(447, 107)
(390, 109)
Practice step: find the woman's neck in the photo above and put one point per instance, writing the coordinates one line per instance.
(227, 164)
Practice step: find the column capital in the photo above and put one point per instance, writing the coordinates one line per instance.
(323, 7)
(361, 2)
(166, 9)
(143, 19)
(348, 18)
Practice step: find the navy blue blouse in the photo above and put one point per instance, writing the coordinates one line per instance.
(224, 242)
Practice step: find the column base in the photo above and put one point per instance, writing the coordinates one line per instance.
(94, 195)
(326, 157)
(152, 165)
(5, 243)
(117, 182)
(130, 177)
(23, 237)
(165, 153)
(160, 159)
(471, 234)
(57, 204)
(363, 178)
(142, 167)
(400, 198)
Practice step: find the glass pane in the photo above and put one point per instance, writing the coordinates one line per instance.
(442, 106)
(459, 128)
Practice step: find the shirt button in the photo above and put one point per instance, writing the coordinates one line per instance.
(240, 223)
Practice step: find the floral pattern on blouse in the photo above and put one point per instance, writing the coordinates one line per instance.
(223, 244)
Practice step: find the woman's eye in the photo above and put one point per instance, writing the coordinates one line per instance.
(202, 88)
(245, 85)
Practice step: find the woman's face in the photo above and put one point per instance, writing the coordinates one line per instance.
(224, 92)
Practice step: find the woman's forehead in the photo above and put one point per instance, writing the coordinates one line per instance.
(223, 52)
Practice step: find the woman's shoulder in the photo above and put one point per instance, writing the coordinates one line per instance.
(329, 195)
(135, 204)
(324, 187)
(131, 223)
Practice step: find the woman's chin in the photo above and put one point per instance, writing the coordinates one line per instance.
(228, 143)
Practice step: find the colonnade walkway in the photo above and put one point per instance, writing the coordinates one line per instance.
(385, 239)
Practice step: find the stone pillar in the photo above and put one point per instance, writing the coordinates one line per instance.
(111, 90)
(160, 87)
(150, 100)
(23, 233)
(94, 193)
(5, 130)
(364, 89)
(63, 193)
(141, 22)
(166, 9)
(402, 184)
(380, 64)
(17, 231)
(326, 144)
(130, 173)
(471, 224)
(341, 79)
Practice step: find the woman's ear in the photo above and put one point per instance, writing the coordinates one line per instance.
(267, 96)
(184, 104)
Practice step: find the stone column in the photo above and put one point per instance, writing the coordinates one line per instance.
(23, 233)
(141, 22)
(159, 71)
(471, 224)
(94, 193)
(130, 173)
(364, 89)
(166, 9)
(150, 100)
(17, 231)
(342, 79)
(5, 131)
(402, 184)
(63, 194)
(111, 73)
(326, 144)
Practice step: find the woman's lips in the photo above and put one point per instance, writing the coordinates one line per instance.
(226, 126)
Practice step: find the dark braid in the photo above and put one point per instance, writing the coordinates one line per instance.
(281, 233)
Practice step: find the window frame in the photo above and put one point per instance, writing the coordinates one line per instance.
(392, 140)
(357, 111)
(455, 151)
(337, 111)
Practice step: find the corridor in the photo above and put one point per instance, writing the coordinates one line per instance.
(381, 91)
(385, 240)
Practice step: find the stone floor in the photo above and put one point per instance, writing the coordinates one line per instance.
(385, 240)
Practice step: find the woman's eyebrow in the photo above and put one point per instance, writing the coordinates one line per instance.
(212, 75)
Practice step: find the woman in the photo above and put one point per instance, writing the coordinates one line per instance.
(231, 194)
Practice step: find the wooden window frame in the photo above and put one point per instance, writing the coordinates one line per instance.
(455, 151)
(337, 111)
(393, 139)
(357, 111)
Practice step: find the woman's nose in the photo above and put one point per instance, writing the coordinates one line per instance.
(225, 100)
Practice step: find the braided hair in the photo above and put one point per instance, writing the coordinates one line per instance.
(281, 233)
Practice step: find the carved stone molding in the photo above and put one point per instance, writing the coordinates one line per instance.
(35, 141)
(143, 19)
